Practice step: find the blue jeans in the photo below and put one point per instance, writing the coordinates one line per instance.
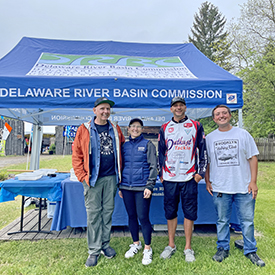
(245, 206)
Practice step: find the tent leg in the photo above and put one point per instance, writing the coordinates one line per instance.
(240, 122)
(36, 147)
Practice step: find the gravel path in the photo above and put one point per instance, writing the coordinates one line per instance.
(10, 160)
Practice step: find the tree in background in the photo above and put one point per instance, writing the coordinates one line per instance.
(252, 31)
(253, 36)
(259, 94)
(209, 35)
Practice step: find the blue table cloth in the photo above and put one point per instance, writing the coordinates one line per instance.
(45, 187)
(6, 195)
(70, 211)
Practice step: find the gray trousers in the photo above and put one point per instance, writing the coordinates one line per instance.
(99, 202)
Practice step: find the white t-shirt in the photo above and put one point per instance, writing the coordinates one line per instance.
(228, 154)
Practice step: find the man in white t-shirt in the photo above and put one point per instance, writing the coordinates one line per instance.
(231, 176)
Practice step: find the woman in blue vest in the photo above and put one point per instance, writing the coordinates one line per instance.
(139, 176)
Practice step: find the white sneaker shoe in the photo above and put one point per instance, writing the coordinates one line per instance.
(134, 248)
(189, 255)
(168, 252)
(147, 256)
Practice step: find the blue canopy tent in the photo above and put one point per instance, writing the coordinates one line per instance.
(56, 82)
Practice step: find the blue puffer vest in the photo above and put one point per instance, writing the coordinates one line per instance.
(135, 166)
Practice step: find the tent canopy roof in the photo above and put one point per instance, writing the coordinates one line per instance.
(56, 82)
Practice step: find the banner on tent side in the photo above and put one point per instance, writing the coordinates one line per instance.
(150, 117)
(132, 97)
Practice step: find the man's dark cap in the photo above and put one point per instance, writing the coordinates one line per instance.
(177, 99)
(104, 100)
(136, 120)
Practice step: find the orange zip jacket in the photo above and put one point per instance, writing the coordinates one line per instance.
(82, 149)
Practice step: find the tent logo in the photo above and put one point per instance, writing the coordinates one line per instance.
(231, 98)
(110, 65)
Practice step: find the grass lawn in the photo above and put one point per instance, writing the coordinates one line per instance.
(68, 256)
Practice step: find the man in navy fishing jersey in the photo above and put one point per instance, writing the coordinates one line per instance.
(182, 162)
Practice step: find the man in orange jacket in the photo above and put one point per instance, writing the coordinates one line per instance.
(96, 162)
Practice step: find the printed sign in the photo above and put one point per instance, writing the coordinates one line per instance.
(50, 64)
(70, 131)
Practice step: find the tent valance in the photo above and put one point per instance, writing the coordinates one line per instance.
(56, 82)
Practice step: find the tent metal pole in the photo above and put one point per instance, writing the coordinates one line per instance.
(36, 146)
(240, 122)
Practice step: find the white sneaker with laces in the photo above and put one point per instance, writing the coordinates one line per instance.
(134, 248)
(189, 255)
(147, 256)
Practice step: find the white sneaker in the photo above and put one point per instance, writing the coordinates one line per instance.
(147, 256)
(168, 252)
(189, 255)
(134, 248)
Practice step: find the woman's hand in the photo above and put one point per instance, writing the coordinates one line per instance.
(120, 194)
(147, 193)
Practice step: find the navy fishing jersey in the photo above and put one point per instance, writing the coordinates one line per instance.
(182, 150)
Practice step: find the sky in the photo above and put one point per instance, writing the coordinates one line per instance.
(146, 21)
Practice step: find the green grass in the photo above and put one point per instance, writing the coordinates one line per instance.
(62, 163)
(67, 256)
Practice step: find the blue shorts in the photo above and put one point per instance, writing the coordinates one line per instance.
(187, 192)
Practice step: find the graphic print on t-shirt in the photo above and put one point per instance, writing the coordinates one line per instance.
(227, 152)
(106, 144)
(180, 156)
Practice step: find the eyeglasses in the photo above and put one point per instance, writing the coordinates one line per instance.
(135, 126)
